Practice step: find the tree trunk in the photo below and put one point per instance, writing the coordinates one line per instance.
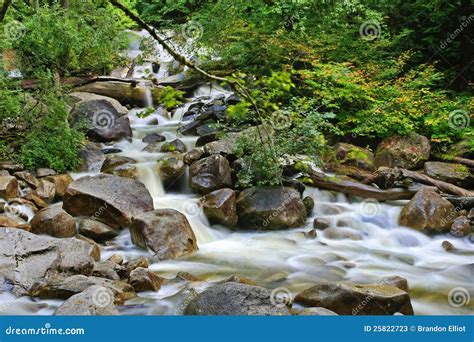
(4, 9)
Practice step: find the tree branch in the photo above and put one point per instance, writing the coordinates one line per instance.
(4, 9)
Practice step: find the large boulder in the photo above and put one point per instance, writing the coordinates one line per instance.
(428, 211)
(110, 199)
(96, 230)
(171, 170)
(209, 174)
(91, 158)
(352, 299)
(63, 288)
(9, 187)
(53, 221)
(219, 207)
(96, 300)
(27, 258)
(270, 208)
(408, 151)
(102, 118)
(235, 299)
(351, 155)
(457, 174)
(165, 232)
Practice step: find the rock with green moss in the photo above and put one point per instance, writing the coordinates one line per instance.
(457, 174)
(351, 155)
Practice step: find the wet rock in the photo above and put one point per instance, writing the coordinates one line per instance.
(208, 128)
(27, 258)
(337, 233)
(316, 312)
(239, 279)
(153, 137)
(321, 223)
(111, 150)
(127, 171)
(356, 156)
(9, 187)
(11, 167)
(61, 183)
(28, 178)
(225, 147)
(91, 158)
(312, 234)
(154, 147)
(110, 199)
(136, 263)
(353, 299)
(219, 207)
(173, 146)
(116, 258)
(232, 100)
(96, 230)
(109, 270)
(409, 151)
(112, 162)
(171, 171)
(63, 288)
(270, 208)
(165, 232)
(144, 280)
(53, 221)
(457, 174)
(308, 204)
(448, 246)
(234, 299)
(428, 211)
(396, 281)
(94, 301)
(209, 174)
(103, 119)
(193, 155)
(46, 190)
(461, 227)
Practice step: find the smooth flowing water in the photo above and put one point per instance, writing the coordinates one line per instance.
(281, 258)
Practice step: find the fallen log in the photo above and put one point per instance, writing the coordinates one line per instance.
(349, 171)
(350, 187)
(452, 159)
(80, 81)
(386, 177)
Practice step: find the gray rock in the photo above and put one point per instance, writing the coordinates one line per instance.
(270, 208)
(91, 158)
(96, 230)
(173, 146)
(46, 190)
(26, 258)
(43, 172)
(353, 299)
(461, 227)
(110, 199)
(409, 151)
(338, 233)
(165, 232)
(209, 174)
(457, 174)
(94, 301)
(53, 221)
(193, 155)
(61, 182)
(235, 299)
(112, 162)
(219, 207)
(153, 137)
(28, 178)
(171, 171)
(144, 280)
(428, 211)
(102, 118)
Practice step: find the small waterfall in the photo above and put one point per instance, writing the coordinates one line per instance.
(148, 98)
(148, 175)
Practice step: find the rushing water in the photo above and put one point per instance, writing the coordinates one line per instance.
(281, 258)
